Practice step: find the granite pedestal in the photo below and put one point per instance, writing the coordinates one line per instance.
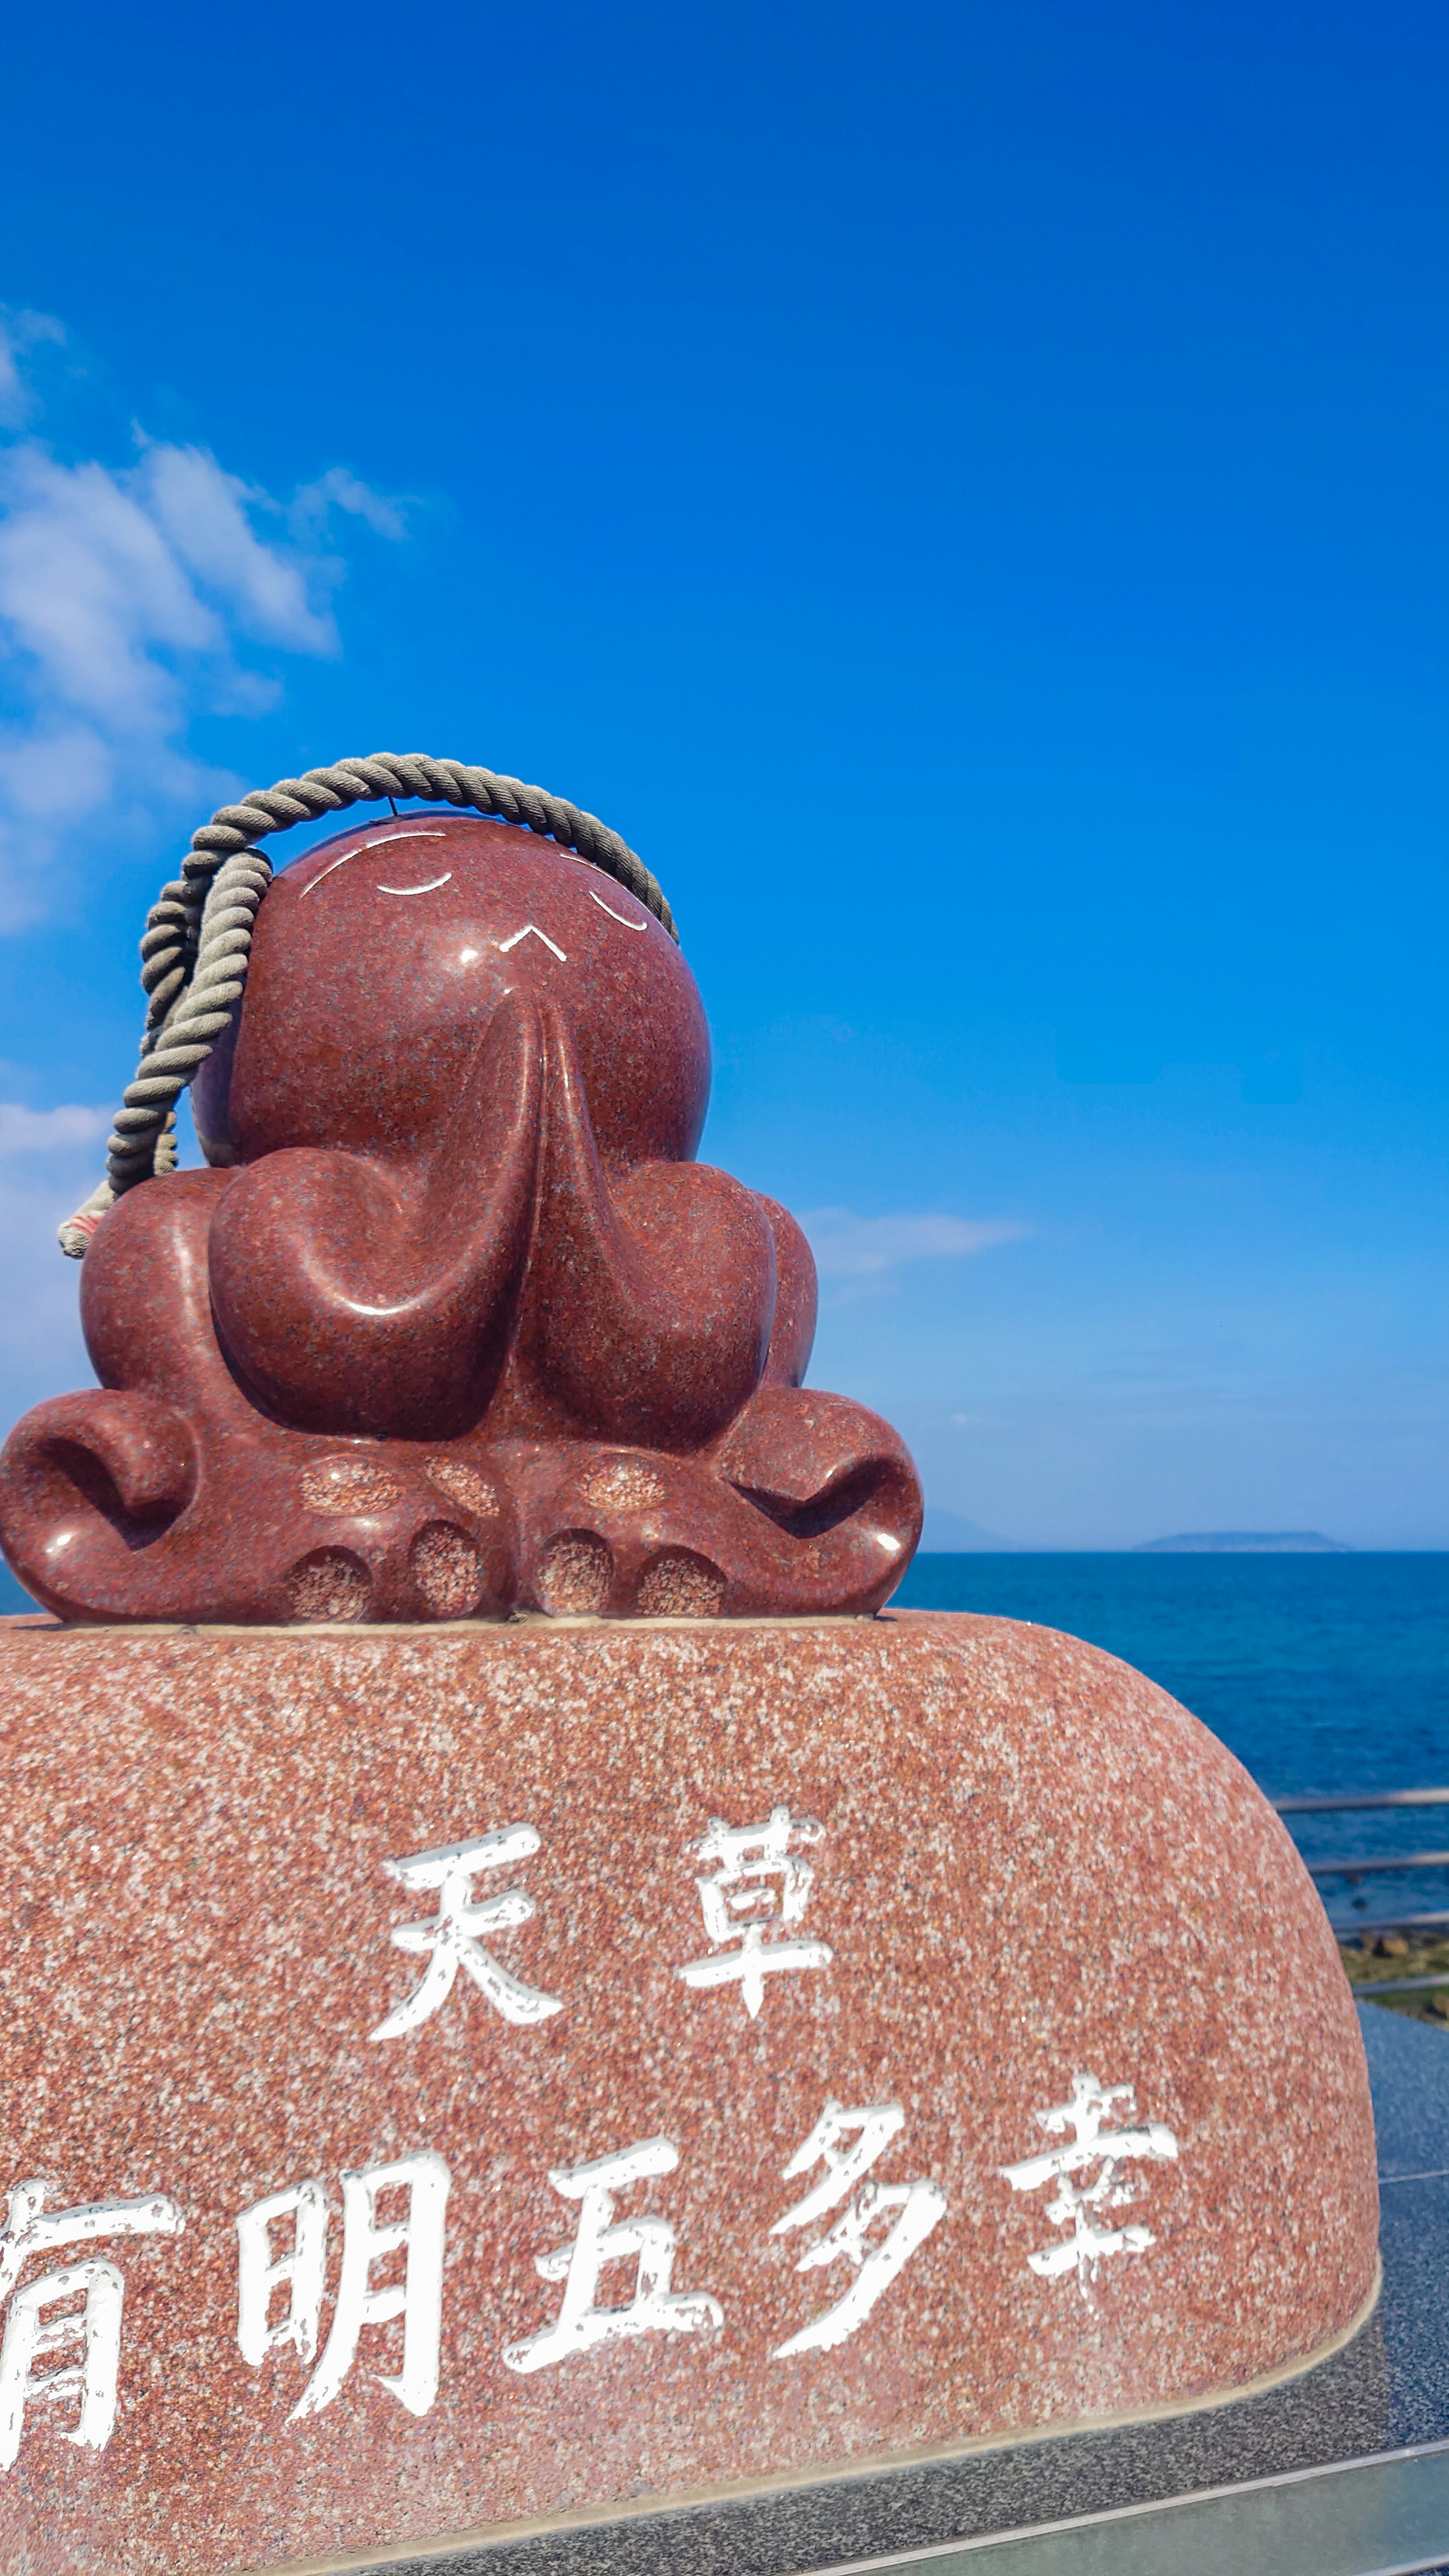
(632, 2094)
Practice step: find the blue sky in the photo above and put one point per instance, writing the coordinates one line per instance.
(962, 491)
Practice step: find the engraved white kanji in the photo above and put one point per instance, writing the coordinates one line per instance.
(301, 2271)
(1091, 2144)
(921, 2204)
(366, 2239)
(91, 2376)
(453, 1940)
(739, 1906)
(654, 2307)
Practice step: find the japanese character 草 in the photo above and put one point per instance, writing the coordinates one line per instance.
(740, 1906)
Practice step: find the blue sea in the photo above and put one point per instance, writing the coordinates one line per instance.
(1323, 1673)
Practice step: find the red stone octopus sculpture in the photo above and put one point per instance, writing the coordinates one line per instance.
(454, 1325)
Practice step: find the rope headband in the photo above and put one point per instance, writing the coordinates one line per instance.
(199, 929)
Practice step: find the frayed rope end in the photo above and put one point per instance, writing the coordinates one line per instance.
(74, 1236)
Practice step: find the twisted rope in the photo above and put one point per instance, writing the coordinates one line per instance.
(198, 934)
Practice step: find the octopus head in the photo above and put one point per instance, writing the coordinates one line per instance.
(379, 961)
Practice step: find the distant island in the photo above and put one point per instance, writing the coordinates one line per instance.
(1244, 1543)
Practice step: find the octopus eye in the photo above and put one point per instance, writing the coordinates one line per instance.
(616, 916)
(361, 847)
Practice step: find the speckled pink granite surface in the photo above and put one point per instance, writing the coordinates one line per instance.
(1031, 1866)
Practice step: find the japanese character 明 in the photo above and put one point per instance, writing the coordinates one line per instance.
(367, 2238)
(602, 2239)
(1091, 2144)
(740, 1908)
(91, 2376)
(921, 2206)
(454, 1939)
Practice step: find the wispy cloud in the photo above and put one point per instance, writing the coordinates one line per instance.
(130, 597)
(339, 490)
(203, 516)
(20, 332)
(847, 1246)
(48, 1131)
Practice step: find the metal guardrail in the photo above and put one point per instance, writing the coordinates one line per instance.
(1388, 1922)
(1360, 1868)
(1381, 1798)
(1373, 1987)
(1372, 1862)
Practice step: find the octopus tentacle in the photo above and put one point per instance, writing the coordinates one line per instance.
(650, 1302)
(351, 1303)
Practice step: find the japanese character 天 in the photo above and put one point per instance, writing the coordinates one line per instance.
(454, 1939)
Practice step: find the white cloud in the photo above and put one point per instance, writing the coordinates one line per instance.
(847, 1246)
(93, 596)
(128, 597)
(54, 777)
(46, 1131)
